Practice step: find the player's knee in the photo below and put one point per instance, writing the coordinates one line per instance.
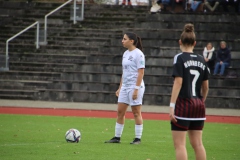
(136, 114)
(121, 114)
(196, 145)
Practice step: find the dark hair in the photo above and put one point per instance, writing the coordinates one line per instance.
(137, 40)
(188, 36)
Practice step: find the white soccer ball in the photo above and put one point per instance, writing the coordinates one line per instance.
(73, 135)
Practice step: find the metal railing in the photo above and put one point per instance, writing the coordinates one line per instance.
(37, 40)
(74, 17)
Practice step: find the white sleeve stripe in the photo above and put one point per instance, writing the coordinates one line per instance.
(175, 58)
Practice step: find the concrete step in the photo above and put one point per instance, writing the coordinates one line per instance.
(77, 96)
(17, 96)
(109, 97)
(151, 34)
(29, 75)
(14, 86)
(164, 66)
(212, 83)
(26, 83)
(46, 57)
(235, 55)
(69, 31)
(149, 50)
(211, 18)
(106, 86)
(199, 26)
(70, 90)
(41, 65)
(15, 47)
(83, 44)
(18, 92)
(159, 33)
(105, 58)
(222, 102)
(56, 40)
(91, 60)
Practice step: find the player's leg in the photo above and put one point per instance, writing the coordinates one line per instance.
(195, 137)
(122, 108)
(136, 106)
(216, 68)
(223, 66)
(129, 2)
(121, 111)
(179, 131)
(179, 140)
(136, 110)
(123, 102)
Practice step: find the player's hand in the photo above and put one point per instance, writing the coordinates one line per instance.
(117, 92)
(135, 94)
(171, 115)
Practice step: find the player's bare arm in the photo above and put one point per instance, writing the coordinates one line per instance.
(119, 88)
(205, 88)
(175, 91)
(138, 83)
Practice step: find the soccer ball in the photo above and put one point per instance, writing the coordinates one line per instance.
(73, 135)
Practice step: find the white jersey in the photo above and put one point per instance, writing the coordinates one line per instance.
(131, 62)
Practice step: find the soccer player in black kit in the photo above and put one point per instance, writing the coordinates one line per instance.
(189, 92)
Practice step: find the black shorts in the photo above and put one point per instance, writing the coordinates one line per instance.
(184, 125)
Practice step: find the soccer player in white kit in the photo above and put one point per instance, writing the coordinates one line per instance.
(131, 88)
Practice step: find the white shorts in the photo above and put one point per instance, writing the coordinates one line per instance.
(125, 96)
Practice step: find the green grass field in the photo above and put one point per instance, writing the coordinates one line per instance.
(42, 138)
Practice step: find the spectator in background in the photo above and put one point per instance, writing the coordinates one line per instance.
(211, 5)
(194, 5)
(223, 59)
(209, 56)
(235, 3)
(164, 3)
(184, 4)
(28, 1)
(124, 2)
(171, 3)
(155, 7)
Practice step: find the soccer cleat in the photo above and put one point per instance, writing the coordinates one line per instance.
(136, 141)
(114, 140)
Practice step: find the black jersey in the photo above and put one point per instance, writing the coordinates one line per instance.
(193, 70)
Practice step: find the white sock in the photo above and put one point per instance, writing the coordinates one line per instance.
(138, 131)
(118, 129)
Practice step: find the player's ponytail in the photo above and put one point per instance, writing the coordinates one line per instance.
(188, 37)
(139, 43)
(137, 40)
